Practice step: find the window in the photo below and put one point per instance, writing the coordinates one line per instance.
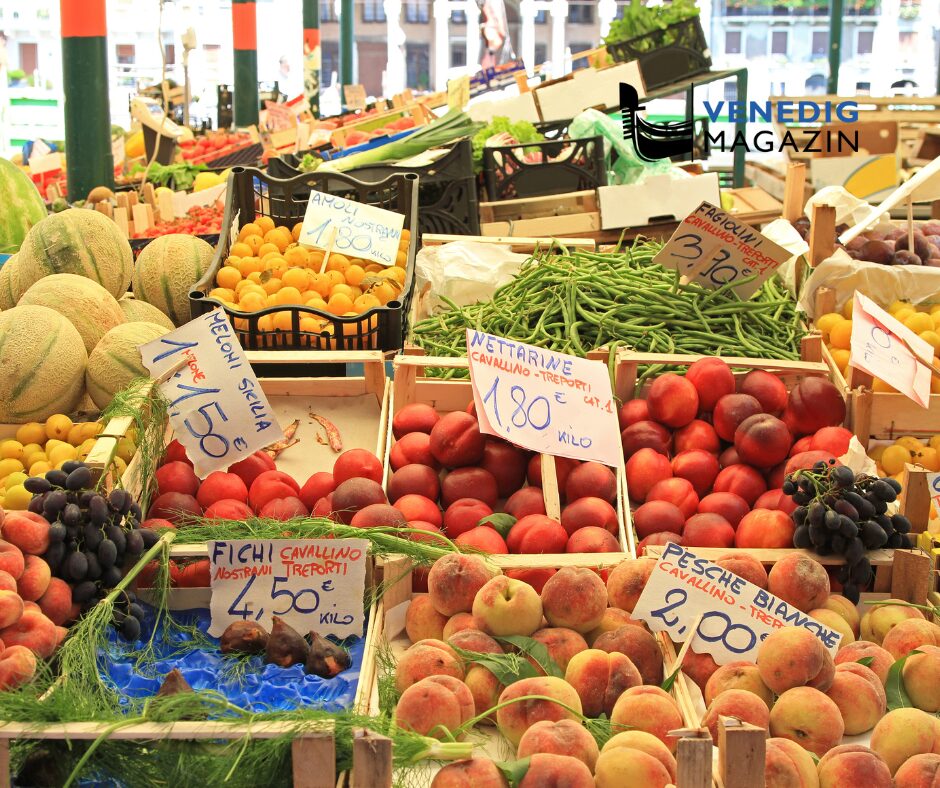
(778, 42)
(458, 17)
(541, 53)
(327, 11)
(756, 45)
(418, 66)
(577, 62)
(731, 90)
(416, 11)
(126, 54)
(863, 88)
(820, 42)
(863, 44)
(732, 42)
(541, 17)
(581, 13)
(329, 62)
(458, 55)
(373, 11)
(816, 85)
(907, 40)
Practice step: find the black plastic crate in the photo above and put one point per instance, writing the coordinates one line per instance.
(447, 191)
(669, 55)
(579, 165)
(553, 129)
(251, 193)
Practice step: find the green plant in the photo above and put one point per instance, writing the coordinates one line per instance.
(639, 19)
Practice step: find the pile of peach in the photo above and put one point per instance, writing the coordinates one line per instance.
(484, 475)
(706, 455)
(34, 605)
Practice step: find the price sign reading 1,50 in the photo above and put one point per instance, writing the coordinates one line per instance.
(523, 412)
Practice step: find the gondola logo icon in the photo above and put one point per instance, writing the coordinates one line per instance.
(652, 141)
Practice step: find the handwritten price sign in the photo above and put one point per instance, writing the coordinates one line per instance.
(549, 402)
(312, 584)
(885, 348)
(736, 615)
(356, 230)
(217, 408)
(714, 249)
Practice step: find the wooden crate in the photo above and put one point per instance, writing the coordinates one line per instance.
(549, 216)
(410, 386)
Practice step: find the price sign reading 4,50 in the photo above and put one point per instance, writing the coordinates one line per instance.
(313, 584)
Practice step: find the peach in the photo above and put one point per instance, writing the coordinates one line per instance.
(352, 495)
(467, 482)
(624, 766)
(880, 660)
(589, 512)
(799, 580)
(537, 534)
(646, 434)
(456, 440)
(637, 644)
(414, 417)
(613, 618)
(847, 610)
(653, 540)
(699, 667)
(576, 598)
(32, 630)
(729, 505)
(592, 539)
(644, 469)
(909, 635)
(504, 606)
(834, 621)
(417, 507)
(672, 400)
(730, 411)
(514, 718)
(696, 435)
(17, 666)
(174, 507)
(698, 467)
(458, 623)
(627, 580)
(463, 515)
(11, 608)
(176, 477)
(28, 531)
(921, 676)
(564, 737)
(454, 581)
(435, 706)
(472, 640)
(775, 498)
(484, 539)
(648, 709)
(632, 411)
(254, 465)
(422, 621)
(707, 530)
(7, 581)
(563, 468)
(485, 689)
(919, 771)
(427, 658)
(713, 379)
(805, 715)
(737, 676)
(357, 463)
(742, 480)
(860, 696)
(220, 510)
(415, 447)
(741, 704)
(744, 565)
(34, 581)
(219, 486)
(787, 765)
(881, 618)
(904, 733)
(528, 500)
(426, 533)
(56, 601)
(764, 528)
(762, 440)
(378, 515)
(536, 577)
(414, 480)
(600, 678)
(790, 657)
(285, 509)
(471, 773)
(679, 492)
(766, 388)
(324, 508)
(506, 463)
(175, 452)
(814, 403)
(547, 770)
(562, 644)
(853, 764)
(591, 479)
(644, 742)
(657, 516)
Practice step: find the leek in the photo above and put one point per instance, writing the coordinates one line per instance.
(453, 126)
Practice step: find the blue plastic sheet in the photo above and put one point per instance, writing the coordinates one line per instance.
(261, 687)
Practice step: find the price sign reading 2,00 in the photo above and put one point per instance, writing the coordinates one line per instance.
(304, 601)
(715, 626)
(535, 413)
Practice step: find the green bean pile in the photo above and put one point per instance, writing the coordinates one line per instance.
(573, 303)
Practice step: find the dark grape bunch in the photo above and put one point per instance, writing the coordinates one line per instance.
(91, 537)
(839, 513)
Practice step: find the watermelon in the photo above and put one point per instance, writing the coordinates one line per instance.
(136, 311)
(167, 269)
(85, 304)
(115, 361)
(21, 206)
(42, 364)
(76, 241)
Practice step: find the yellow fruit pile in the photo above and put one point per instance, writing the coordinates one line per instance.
(923, 320)
(37, 448)
(267, 267)
(906, 450)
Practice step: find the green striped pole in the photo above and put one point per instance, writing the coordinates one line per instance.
(85, 81)
(346, 44)
(245, 43)
(311, 21)
(835, 45)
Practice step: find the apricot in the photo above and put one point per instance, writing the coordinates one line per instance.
(648, 709)
(627, 580)
(414, 417)
(456, 440)
(805, 715)
(904, 733)
(741, 704)
(504, 606)
(427, 658)
(423, 622)
(800, 581)
(357, 464)
(515, 718)
(564, 737)
(575, 598)
(860, 696)
(640, 646)
(435, 706)
(853, 764)
(737, 676)
(414, 480)
(600, 678)
(454, 581)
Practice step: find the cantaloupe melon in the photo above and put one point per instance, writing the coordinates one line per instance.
(42, 364)
(21, 206)
(85, 304)
(76, 241)
(136, 311)
(166, 271)
(115, 361)
(8, 294)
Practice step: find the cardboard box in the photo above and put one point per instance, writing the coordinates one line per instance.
(659, 198)
(516, 108)
(564, 98)
(870, 178)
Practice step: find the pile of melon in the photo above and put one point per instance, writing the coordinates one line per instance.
(70, 328)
